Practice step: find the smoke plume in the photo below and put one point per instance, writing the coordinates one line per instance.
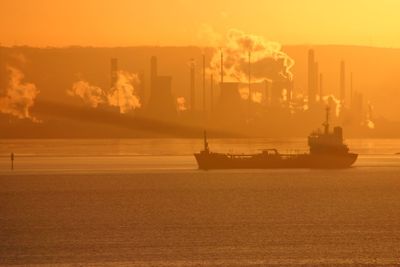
(181, 104)
(256, 96)
(90, 94)
(369, 122)
(19, 96)
(331, 100)
(122, 95)
(268, 61)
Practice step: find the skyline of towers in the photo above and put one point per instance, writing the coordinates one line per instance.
(192, 85)
(276, 92)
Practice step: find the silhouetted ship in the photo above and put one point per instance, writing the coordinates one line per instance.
(327, 150)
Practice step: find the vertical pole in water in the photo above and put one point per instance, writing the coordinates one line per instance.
(12, 161)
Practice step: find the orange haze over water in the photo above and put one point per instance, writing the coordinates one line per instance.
(184, 22)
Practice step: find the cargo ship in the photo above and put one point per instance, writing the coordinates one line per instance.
(327, 150)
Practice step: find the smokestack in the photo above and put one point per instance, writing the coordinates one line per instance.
(153, 72)
(351, 88)
(250, 93)
(342, 81)
(320, 87)
(212, 93)
(316, 80)
(192, 86)
(222, 67)
(267, 95)
(204, 83)
(312, 90)
(114, 72)
(142, 88)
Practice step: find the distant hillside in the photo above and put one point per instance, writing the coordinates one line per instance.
(54, 70)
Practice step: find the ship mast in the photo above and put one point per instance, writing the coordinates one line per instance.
(326, 123)
(206, 148)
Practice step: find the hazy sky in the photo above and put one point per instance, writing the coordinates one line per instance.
(181, 22)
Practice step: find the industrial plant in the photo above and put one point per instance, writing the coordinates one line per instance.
(252, 95)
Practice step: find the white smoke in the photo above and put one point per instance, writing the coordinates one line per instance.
(256, 96)
(369, 122)
(122, 95)
(331, 99)
(90, 94)
(267, 58)
(19, 96)
(181, 104)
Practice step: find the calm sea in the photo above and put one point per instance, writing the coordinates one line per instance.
(144, 203)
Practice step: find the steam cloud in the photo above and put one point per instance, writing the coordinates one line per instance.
(181, 104)
(19, 96)
(122, 95)
(370, 124)
(268, 61)
(331, 99)
(91, 95)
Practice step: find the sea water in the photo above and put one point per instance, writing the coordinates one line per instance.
(143, 202)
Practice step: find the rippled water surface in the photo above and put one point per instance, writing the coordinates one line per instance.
(144, 203)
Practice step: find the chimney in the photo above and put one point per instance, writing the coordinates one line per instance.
(114, 72)
(267, 94)
(212, 93)
(192, 86)
(250, 92)
(312, 86)
(153, 72)
(351, 88)
(342, 81)
(204, 83)
(222, 67)
(321, 92)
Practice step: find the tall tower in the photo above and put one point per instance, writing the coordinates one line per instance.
(142, 89)
(153, 73)
(342, 81)
(204, 83)
(250, 89)
(192, 86)
(222, 67)
(312, 83)
(212, 92)
(351, 89)
(114, 72)
(321, 92)
(267, 92)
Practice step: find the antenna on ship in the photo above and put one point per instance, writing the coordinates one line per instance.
(206, 148)
(326, 123)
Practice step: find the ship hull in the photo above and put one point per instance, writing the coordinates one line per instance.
(210, 161)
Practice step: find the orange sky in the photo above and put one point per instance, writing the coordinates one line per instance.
(179, 22)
